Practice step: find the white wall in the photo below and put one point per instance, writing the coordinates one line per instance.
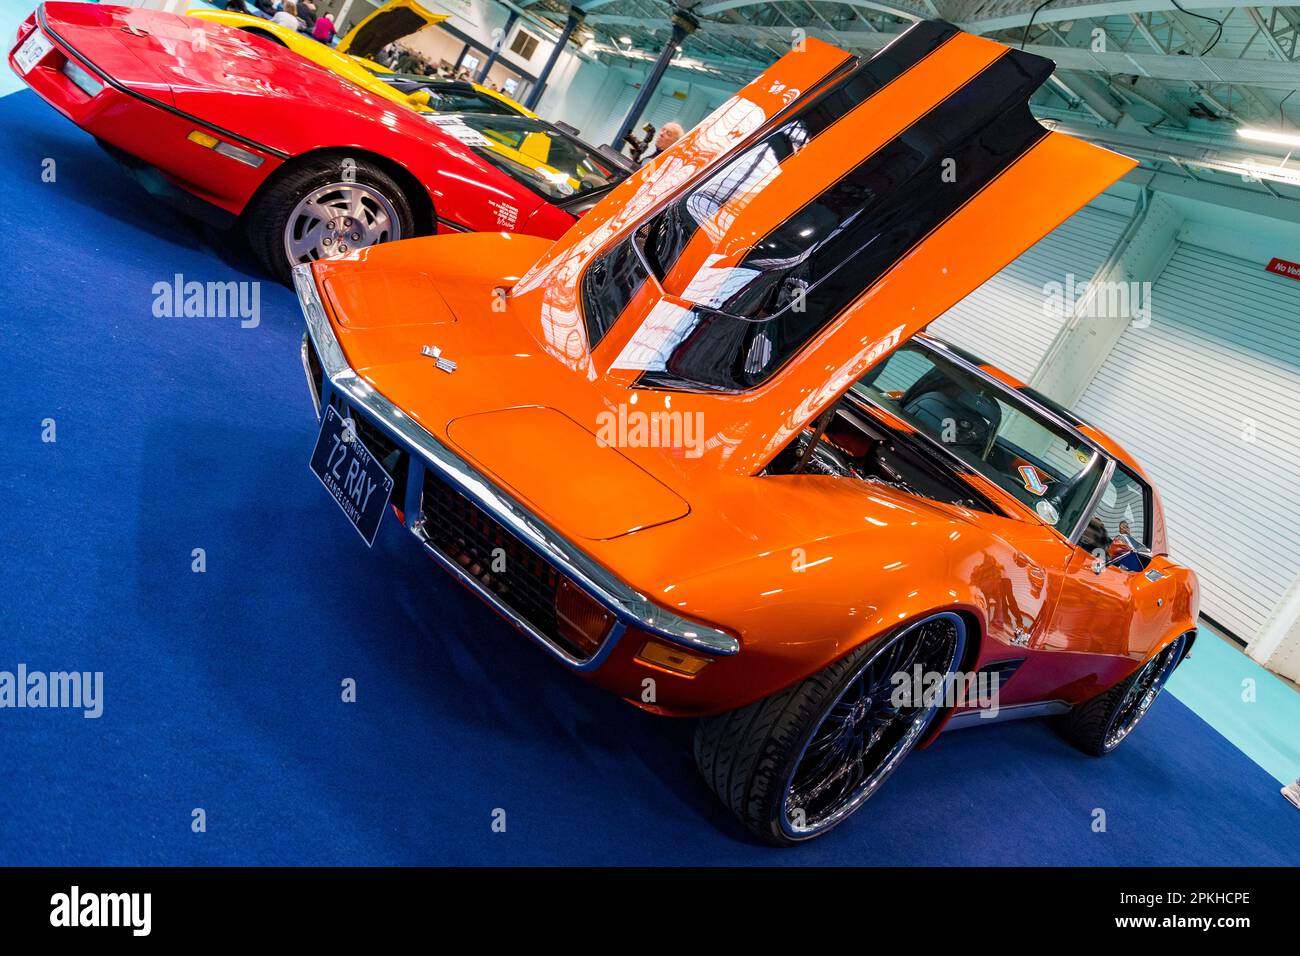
(1184, 215)
(595, 101)
(435, 45)
(581, 94)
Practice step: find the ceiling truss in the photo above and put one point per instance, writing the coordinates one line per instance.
(1197, 73)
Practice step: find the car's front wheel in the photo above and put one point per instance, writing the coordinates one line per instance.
(793, 765)
(1100, 725)
(322, 207)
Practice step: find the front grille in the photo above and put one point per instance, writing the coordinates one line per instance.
(495, 558)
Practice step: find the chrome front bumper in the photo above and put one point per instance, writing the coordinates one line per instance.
(629, 606)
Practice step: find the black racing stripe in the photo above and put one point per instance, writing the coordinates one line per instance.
(872, 211)
(611, 282)
(677, 224)
(871, 76)
(842, 242)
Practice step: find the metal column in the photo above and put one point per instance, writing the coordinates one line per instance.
(575, 17)
(684, 24)
(496, 48)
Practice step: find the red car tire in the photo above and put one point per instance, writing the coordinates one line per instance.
(340, 188)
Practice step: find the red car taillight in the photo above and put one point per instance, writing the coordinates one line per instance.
(579, 618)
(25, 28)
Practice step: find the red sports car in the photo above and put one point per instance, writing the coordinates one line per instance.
(238, 130)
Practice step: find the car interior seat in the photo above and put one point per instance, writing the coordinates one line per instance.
(974, 417)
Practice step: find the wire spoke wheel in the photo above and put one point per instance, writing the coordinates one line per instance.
(1142, 692)
(337, 218)
(867, 730)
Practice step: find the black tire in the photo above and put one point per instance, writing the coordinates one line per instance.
(1100, 725)
(268, 215)
(749, 756)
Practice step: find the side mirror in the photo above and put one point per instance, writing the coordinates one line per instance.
(1102, 563)
(615, 158)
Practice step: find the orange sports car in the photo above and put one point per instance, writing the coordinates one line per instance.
(701, 452)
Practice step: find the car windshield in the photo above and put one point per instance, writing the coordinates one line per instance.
(532, 152)
(456, 101)
(993, 431)
(448, 96)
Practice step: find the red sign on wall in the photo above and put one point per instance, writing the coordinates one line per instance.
(1283, 268)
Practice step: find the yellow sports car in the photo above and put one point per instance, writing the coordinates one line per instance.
(547, 157)
(442, 95)
(352, 58)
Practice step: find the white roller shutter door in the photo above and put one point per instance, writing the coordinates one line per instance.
(1003, 321)
(663, 108)
(616, 116)
(1220, 359)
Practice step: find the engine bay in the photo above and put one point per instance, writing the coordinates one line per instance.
(849, 442)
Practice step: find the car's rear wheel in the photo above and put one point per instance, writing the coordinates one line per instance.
(326, 206)
(1100, 725)
(793, 765)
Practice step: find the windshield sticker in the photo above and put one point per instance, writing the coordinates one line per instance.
(1035, 481)
(1047, 511)
(507, 215)
(455, 127)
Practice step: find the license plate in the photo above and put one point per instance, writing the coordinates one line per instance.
(351, 474)
(30, 53)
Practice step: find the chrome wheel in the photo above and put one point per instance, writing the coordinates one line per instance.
(863, 735)
(1145, 686)
(337, 218)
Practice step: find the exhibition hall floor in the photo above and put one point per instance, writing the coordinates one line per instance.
(222, 688)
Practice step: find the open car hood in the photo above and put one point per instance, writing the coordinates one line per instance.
(814, 222)
(390, 23)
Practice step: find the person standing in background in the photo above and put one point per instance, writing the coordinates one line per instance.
(307, 14)
(288, 16)
(668, 134)
(323, 29)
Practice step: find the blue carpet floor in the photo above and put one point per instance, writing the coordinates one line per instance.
(1258, 711)
(223, 689)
